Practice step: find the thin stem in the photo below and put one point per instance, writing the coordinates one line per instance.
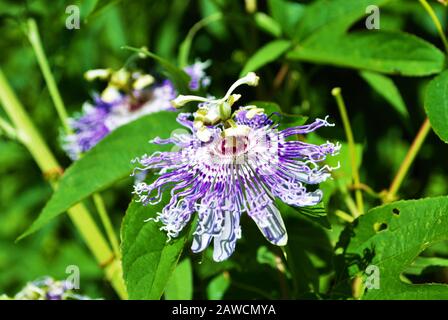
(367, 190)
(25, 129)
(102, 212)
(357, 287)
(185, 46)
(34, 38)
(81, 218)
(251, 6)
(281, 74)
(436, 22)
(348, 200)
(344, 216)
(99, 247)
(408, 160)
(287, 254)
(336, 92)
(424, 129)
(7, 129)
(282, 280)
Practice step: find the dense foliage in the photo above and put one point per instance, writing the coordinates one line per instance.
(381, 229)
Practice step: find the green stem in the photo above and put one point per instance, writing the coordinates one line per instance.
(280, 76)
(408, 160)
(290, 263)
(32, 140)
(34, 38)
(436, 22)
(424, 129)
(344, 216)
(336, 92)
(102, 212)
(7, 129)
(348, 200)
(185, 46)
(367, 189)
(251, 6)
(26, 132)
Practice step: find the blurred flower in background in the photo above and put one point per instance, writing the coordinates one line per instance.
(127, 97)
(47, 288)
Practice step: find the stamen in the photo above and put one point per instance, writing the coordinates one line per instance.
(182, 100)
(91, 75)
(250, 79)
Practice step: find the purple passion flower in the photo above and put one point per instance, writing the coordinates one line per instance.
(129, 96)
(229, 164)
(47, 288)
(198, 77)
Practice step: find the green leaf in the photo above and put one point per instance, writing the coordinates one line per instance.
(174, 73)
(107, 162)
(218, 286)
(287, 14)
(386, 52)
(421, 263)
(317, 214)
(208, 267)
(265, 256)
(387, 89)
(180, 286)
(148, 259)
(97, 7)
(309, 253)
(332, 16)
(436, 105)
(268, 53)
(391, 237)
(304, 270)
(266, 23)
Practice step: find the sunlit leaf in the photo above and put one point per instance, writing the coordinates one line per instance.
(218, 286)
(180, 285)
(390, 238)
(436, 105)
(387, 89)
(266, 54)
(106, 163)
(385, 52)
(149, 259)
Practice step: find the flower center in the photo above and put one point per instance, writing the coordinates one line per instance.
(233, 145)
(138, 101)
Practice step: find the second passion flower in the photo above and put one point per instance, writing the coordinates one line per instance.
(127, 97)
